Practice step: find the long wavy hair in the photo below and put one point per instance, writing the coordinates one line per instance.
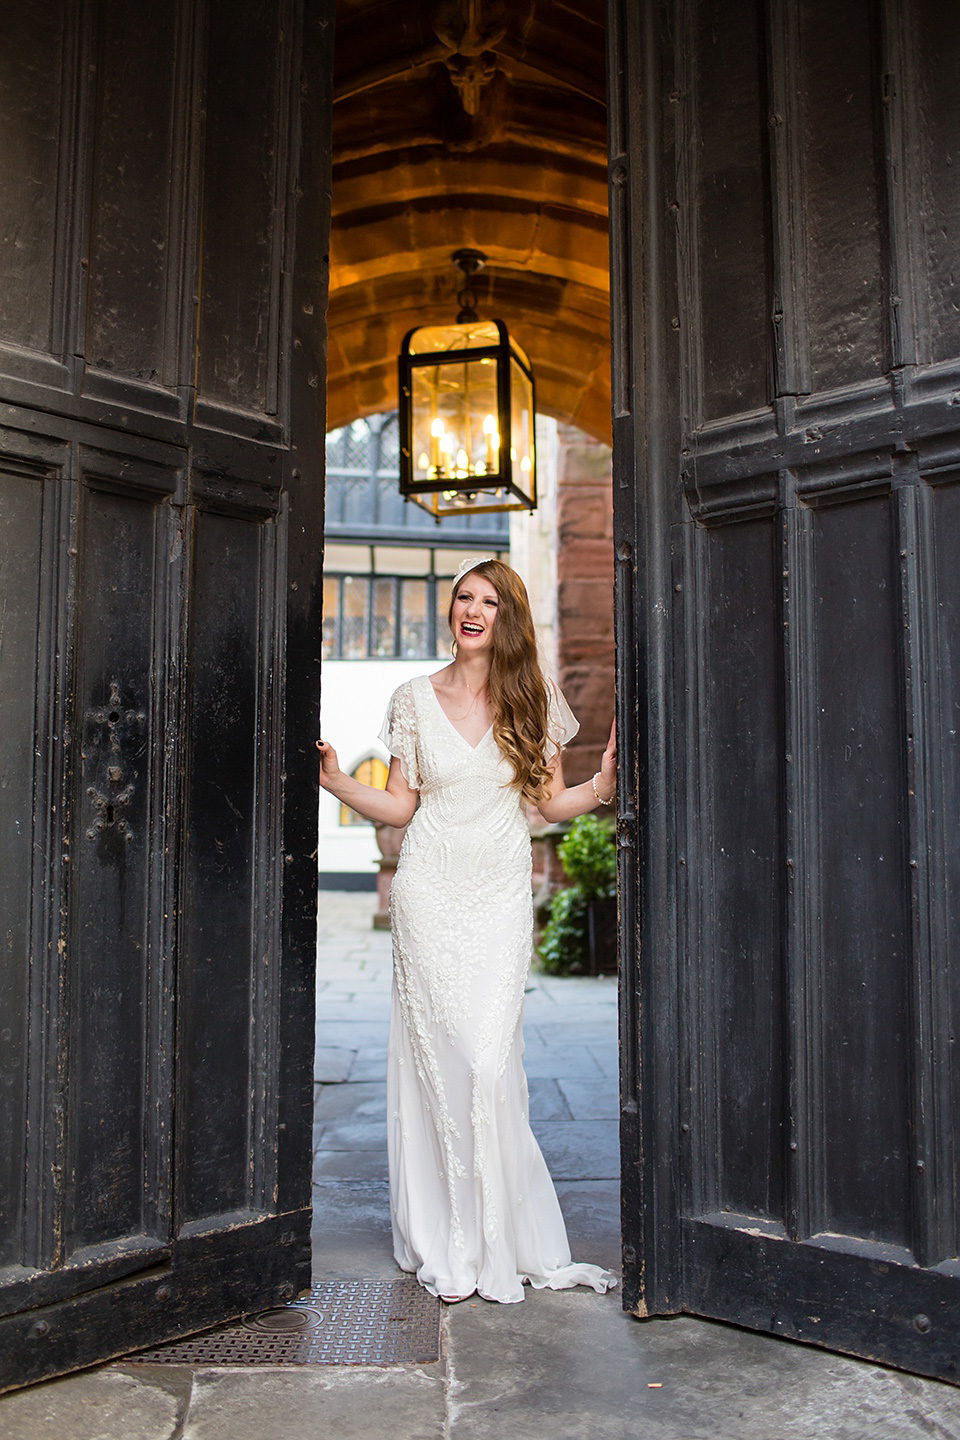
(516, 687)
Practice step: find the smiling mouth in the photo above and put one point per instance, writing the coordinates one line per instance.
(467, 629)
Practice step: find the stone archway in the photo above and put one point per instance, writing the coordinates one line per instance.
(475, 124)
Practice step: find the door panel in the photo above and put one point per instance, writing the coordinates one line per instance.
(936, 117)
(130, 254)
(226, 864)
(160, 654)
(729, 374)
(116, 967)
(741, 744)
(837, 116)
(35, 87)
(21, 556)
(786, 457)
(242, 267)
(862, 989)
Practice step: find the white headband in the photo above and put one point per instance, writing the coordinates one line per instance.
(469, 564)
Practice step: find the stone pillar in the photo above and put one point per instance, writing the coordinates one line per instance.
(585, 594)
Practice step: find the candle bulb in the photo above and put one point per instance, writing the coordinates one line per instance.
(445, 442)
(492, 438)
(436, 444)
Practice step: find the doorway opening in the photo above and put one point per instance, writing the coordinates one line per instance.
(387, 575)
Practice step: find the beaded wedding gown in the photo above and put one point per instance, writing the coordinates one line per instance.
(472, 1203)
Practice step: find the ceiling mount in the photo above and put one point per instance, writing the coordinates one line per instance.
(469, 262)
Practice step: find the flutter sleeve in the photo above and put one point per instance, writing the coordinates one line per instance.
(562, 724)
(399, 733)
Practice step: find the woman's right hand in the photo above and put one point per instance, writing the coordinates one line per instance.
(329, 765)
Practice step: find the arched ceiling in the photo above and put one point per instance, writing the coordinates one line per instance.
(476, 123)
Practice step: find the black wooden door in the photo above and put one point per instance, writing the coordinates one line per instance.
(785, 193)
(163, 224)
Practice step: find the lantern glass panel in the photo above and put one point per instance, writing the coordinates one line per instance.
(431, 338)
(454, 432)
(473, 502)
(522, 433)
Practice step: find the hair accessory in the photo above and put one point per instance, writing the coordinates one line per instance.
(471, 563)
(600, 799)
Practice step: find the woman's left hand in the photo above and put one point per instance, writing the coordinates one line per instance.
(607, 784)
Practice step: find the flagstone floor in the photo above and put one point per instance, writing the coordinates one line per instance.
(561, 1366)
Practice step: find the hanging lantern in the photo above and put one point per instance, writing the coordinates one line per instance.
(467, 443)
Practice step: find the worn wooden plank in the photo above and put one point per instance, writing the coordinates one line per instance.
(299, 584)
(852, 1299)
(741, 803)
(939, 685)
(247, 1265)
(641, 80)
(247, 136)
(21, 540)
(117, 815)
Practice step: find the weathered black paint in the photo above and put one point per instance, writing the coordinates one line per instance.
(161, 503)
(784, 190)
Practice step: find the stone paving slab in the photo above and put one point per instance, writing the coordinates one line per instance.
(591, 1099)
(580, 1149)
(344, 1012)
(547, 1100)
(352, 1034)
(574, 1063)
(559, 1034)
(360, 1165)
(333, 1064)
(352, 1238)
(361, 1100)
(571, 1366)
(607, 1060)
(106, 1404)
(351, 1403)
(370, 1064)
(352, 1135)
(591, 1209)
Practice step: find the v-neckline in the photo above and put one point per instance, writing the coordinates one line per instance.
(458, 733)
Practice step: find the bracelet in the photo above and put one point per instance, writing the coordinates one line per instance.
(600, 799)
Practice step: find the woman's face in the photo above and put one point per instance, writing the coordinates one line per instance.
(473, 613)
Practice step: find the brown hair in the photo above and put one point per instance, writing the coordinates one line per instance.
(517, 689)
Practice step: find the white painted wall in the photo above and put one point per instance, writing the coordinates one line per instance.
(353, 703)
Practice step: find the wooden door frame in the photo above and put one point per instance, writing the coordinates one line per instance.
(645, 417)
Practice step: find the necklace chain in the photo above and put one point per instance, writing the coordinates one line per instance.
(475, 697)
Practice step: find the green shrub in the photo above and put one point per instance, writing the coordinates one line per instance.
(563, 947)
(589, 856)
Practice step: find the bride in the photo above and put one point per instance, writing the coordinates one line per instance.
(472, 1204)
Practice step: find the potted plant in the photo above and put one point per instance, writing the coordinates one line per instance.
(580, 936)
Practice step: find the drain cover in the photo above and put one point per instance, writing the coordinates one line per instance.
(341, 1322)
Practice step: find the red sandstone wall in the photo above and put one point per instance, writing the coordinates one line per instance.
(585, 594)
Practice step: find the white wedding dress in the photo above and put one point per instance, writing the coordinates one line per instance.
(472, 1203)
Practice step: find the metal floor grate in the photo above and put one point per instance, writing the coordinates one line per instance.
(341, 1322)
